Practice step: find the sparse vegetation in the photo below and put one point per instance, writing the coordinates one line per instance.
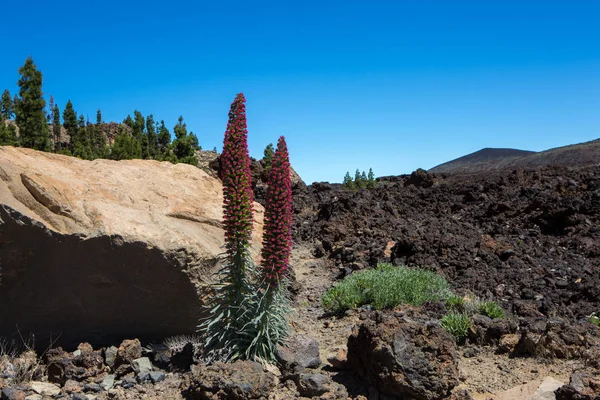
(491, 309)
(457, 324)
(456, 303)
(594, 319)
(361, 180)
(386, 287)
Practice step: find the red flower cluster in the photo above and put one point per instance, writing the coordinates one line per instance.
(237, 180)
(277, 237)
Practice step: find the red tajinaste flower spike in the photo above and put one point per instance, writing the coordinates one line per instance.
(277, 236)
(237, 180)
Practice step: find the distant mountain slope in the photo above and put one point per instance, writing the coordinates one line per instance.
(488, 159)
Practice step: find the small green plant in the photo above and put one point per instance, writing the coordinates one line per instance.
(455, 303)
(386, 286)
(594, 319)
(491, 309)
(457, 324)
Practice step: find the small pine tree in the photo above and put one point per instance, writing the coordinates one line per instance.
(268, 156)
(50, 116)
(98, 117)
(358, 183)
(152, 137)
(371, 179)
(29, 110)
(70, 123)
(56, 137)
(164, 140)
(348, 182)
(7, 109)
(8, 133)
(125, 147)
(184, 145)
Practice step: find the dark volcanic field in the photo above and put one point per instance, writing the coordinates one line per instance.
(528, 239)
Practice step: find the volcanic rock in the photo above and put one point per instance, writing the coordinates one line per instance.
(407, 357)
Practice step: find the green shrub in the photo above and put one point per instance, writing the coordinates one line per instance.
(457, 324)
(594, 319)
(386, 286)
(455, 303)
(491, 309)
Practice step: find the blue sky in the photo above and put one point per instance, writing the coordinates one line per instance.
(392, 85)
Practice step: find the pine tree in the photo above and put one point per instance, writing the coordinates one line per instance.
(363, 179)
(348, 182)
(357, 180)
(70, 124)
(125, 147)
(184, 145)
(164, 140)
(8, 134)
(152, 137)
(29, 110)
(268, 156)
(50, 115)
(371, 179)
(99, 117)
(8, 107)
(56, 129)
(80, 142)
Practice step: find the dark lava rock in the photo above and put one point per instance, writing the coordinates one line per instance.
(310, 385)
(582, 386)
(561, 339)
(420, 178)
(538, 249)
(407, 358)
(128, 351)
(299, 352)
(237, 381)
(487, 331)
(63, 366)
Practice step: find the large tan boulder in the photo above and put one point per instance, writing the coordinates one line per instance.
(102, 250)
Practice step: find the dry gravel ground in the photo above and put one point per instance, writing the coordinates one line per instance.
(485, 375)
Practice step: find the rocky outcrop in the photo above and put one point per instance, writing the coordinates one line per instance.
(99, 251)
(404, 355)
(237, 381)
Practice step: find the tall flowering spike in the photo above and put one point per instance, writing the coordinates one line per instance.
(237, 180)
(277, 236)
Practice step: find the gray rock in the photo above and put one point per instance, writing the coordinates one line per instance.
(143, 377)
(142, 365)
(312, 384)
(79, 396)
(300, 352)
(34, 396)
(157, 376)
(110, 354)
(92, 387)
(12, 394)
(108, 382)
(128, 382)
